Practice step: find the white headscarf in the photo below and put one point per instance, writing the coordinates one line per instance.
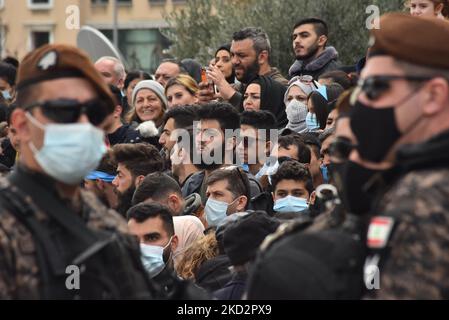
(188, 229)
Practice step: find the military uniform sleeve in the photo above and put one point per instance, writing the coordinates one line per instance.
(6, 265)
(418, 264)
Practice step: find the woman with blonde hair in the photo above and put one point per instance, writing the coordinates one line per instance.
(181, 90)
(428, 8)
(196, 254)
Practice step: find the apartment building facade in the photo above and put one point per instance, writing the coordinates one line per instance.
(28, 24)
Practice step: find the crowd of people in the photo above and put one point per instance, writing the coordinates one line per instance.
(232, 181)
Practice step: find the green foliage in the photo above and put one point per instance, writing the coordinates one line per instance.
(203, 25)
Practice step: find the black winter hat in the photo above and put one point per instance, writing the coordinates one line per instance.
(327, 265)
(243, 237)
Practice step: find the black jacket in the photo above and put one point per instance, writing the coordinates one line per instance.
(194, 182)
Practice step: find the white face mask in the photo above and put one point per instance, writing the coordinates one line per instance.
(296, 111)
(6, 95)
(70, 151)
(153, 258)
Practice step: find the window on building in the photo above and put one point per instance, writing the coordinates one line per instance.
(99, 2)
(40, 4)
(142, 48)
(39, 38)
(157, 2)
(105, 2)
(2, 4)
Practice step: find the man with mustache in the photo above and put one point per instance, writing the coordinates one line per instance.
(250, 52)
(134, 163)
(313, 58)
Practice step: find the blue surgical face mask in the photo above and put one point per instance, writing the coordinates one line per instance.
(325, 173)
(245, 167)
(153, 258)
(6, 95)
(312, 121)
(216, 211)
(69, 151)
(290, 204)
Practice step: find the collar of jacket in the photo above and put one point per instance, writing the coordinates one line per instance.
(430, 154)
(329, 54)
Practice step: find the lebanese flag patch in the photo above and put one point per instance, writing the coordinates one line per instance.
(379, 232)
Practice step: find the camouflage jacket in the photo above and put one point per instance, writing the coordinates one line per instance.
(19, 270)
(417, 265)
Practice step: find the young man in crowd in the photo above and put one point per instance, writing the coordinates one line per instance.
(163, 189)
(134, 163)
(292, 188)
(182, 117)
(313, 58)
(256, 143)
(212, 148)
(153, 226)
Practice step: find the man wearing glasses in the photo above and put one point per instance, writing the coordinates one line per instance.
(64, 106)
(401, 117)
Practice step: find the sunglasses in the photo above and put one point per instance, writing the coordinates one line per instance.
(340, 149)
(69, 111)
(374, 87)
(306, 79)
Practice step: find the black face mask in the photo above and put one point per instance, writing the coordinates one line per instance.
(375, 129)
(351, 180)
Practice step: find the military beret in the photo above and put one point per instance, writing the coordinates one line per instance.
(55, 61)
(417, 40)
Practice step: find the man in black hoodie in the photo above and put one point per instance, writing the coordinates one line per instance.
(313, 58)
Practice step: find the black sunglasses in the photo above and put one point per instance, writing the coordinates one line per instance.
(69, 111)
(375, 86)
(341, 148)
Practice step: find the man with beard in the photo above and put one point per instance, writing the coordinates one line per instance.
(251, 51)
(134, 163)
(211, 149)
(313, 58)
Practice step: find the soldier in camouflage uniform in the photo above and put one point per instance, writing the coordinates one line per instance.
(408, 236)
(63, 108)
